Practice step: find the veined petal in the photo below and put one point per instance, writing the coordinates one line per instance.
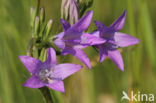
(124, 40)
(91, 40)
(78, 53)
(83, 23)
(51, 60)
(34, 82)
(65, 24)
(117, 58)
(58, 86)
(32, 64)
(71, 35)
(64, 70)
(119, 23)
(103, 53)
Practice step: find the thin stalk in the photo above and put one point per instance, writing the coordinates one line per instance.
(46, 93)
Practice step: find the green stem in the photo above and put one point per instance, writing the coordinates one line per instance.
(46, 93)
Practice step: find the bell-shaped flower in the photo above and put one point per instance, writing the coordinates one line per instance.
(48, 73)
(114, 39)
(73, 39)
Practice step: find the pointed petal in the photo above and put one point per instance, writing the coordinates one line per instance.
(64, 70)
(58, 86)
(65, 24)
(51, 59)
(78, 53)
(34, 82)
(91, 40)
(103, 53)
(117, 58)
(100, 25)
(83, 23)
(32, 64)
(124, 40)
(119, 23)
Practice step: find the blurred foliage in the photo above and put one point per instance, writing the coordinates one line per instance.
(105, 82)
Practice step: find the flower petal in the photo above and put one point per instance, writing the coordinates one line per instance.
(34, 82)
(119, 23)
(103, 53)
(100, 26)
(80, 46)
(91, 40)
(60, 35)
(58, 86)
(71, 35)
(59, 43)
(64, 70)
(124, 40)
(117, 58)
(32, 64)
(78, 53)
(83, 23)
(65, 24)
(96, 33)
(51, 60)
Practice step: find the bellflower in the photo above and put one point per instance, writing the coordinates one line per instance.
(115, 39)
(48, 73)
(73, 40)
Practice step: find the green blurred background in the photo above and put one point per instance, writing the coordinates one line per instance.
(105, 82)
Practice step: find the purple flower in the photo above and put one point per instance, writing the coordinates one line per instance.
(48, 73)
(72, 40)
(114, 40)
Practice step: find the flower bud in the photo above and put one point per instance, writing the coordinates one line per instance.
(32, 16)
(48, 29)
(37, 23)
(42, 15)
(49, 25)
(70, 8)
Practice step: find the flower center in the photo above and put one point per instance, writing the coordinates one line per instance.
(46, 75)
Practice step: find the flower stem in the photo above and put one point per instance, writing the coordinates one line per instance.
(46, 93)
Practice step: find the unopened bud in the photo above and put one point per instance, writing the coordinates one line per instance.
(42, 15)
(37, 23)
(32, 16)
(49, 25)
(48, 28)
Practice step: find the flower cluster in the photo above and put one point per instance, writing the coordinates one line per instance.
(72, 41)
